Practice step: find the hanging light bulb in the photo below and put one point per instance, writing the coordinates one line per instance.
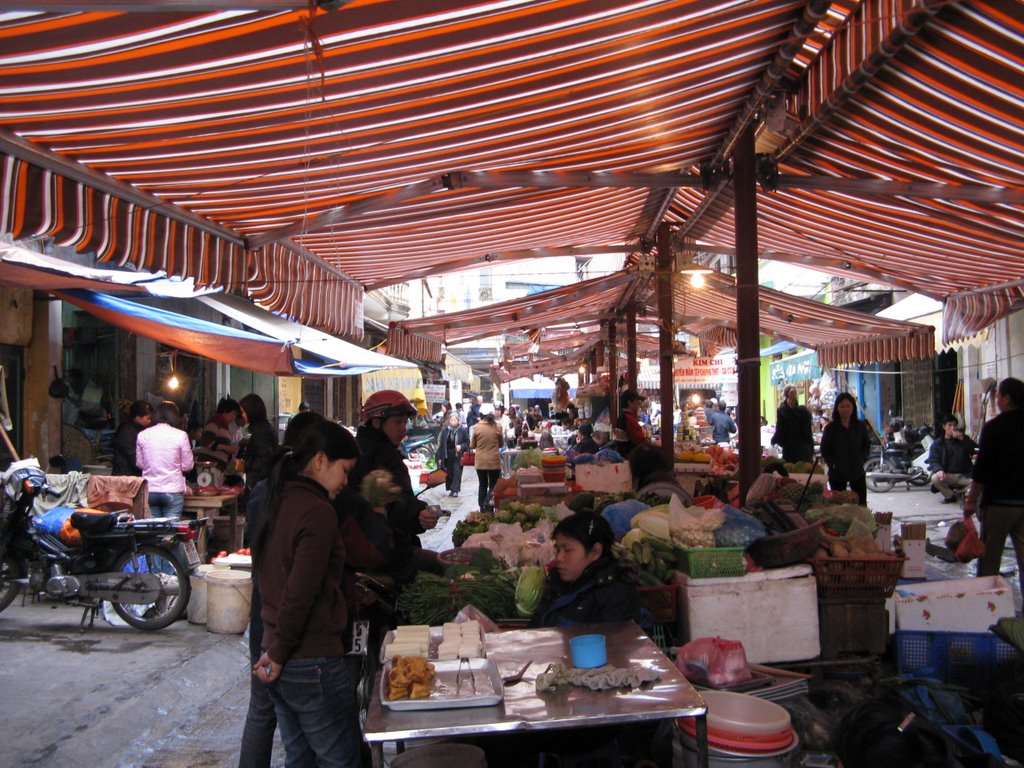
(697, 280)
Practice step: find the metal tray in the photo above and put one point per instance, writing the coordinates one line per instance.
(489, 688)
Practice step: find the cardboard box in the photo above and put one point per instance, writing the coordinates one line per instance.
(774, 613)
(956, 605)
(604, 478)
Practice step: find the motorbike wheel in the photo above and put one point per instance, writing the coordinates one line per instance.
(879, 465)
(168, 608)
(8, 581)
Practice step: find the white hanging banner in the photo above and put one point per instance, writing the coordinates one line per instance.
(704, 372)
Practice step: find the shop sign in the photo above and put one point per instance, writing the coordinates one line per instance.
(704, 372)
(435, 393)
(802, 367)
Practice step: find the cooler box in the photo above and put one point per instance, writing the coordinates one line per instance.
(774, 613)
(604, 478)
(956, 605)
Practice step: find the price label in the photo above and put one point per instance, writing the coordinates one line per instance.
(360, 637)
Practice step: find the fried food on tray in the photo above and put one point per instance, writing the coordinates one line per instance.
(410, 677)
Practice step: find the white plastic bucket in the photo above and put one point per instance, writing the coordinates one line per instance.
(228, 596)
(197, 602)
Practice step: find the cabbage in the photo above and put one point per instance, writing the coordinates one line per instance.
(529, 589)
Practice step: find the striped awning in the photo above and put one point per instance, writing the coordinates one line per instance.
(576, 305)
(840, 336)
(282, 153)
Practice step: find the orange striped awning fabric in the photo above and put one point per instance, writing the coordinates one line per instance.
(291, 154)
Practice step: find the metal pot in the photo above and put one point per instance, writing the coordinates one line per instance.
(58, 387)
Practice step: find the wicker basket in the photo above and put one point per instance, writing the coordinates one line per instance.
(857, 577)
(786, 548)
(662, 602)
(711, 562)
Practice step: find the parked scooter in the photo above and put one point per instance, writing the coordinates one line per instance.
(901, 461)
(140, 566)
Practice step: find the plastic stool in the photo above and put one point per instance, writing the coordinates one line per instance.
(607, 754)
(441, 755)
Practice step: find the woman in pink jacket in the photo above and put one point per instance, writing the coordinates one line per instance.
(164, 453)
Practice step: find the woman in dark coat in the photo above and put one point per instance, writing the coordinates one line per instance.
(587, 585)
(845, 446)
(259, 450)
(451, 444)
(140, 416)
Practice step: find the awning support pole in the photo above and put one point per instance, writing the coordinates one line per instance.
(663, 275)
(613, 369)
(748, 360)
(632, 364)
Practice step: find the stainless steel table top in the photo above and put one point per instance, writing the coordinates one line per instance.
(523, 709)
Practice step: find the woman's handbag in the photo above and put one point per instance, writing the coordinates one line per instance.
(467, 458)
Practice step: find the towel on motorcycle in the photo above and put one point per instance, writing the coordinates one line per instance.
(57, 522)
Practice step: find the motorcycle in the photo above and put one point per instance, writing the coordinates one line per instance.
(140, 566)
(902, 460)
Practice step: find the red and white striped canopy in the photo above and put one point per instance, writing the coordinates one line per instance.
(301, 158)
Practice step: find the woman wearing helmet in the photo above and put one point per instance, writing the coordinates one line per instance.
(384, 418)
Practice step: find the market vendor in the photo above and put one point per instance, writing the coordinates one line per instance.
(385, 414)
(652, 474)
(586, 585)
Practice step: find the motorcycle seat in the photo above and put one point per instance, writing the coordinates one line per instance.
(91, 522)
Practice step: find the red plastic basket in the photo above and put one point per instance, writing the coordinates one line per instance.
(857, 577)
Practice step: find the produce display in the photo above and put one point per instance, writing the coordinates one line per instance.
(486, 583)
(527, 515)
(529, 589)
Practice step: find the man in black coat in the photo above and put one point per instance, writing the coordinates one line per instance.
(950, 460)
(793, 428)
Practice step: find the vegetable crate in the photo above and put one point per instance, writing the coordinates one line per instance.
(662, 602)
(857, 577)
(663, 605)
(711, 562)
(971, 659)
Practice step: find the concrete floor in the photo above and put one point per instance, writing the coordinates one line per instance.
(120, 698)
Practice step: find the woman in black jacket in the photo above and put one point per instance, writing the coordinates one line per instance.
(140, 416)
(259, 449)
(845, 446)
(587, 585)
(451, 444)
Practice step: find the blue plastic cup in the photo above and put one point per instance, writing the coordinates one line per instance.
(588, 651)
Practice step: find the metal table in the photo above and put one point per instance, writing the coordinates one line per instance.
(523, 709)
(222, 503)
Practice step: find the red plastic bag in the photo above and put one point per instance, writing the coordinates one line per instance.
(713, 660)
(971, 546)
(467, 458)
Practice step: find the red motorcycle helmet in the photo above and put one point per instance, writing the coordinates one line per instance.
(385, 404)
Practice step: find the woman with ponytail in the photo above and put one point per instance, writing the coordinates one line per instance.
(299, 559)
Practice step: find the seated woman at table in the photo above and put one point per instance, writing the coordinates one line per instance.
(652, 474)
(586, 585)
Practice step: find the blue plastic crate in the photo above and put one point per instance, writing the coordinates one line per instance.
(970, 659)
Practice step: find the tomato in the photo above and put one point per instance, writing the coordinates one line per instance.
(222, 553)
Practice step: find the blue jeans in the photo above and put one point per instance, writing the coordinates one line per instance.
(166, 504)
(316, 714)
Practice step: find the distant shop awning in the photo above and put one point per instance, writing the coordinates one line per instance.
(344, 358)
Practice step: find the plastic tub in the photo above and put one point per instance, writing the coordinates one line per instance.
(741, 715)
(197, 600)
(684, 755)
(228, 597)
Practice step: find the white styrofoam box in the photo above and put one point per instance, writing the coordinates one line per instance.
(604, 478)
(774, 613)
(956, 605)
(913, 566)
